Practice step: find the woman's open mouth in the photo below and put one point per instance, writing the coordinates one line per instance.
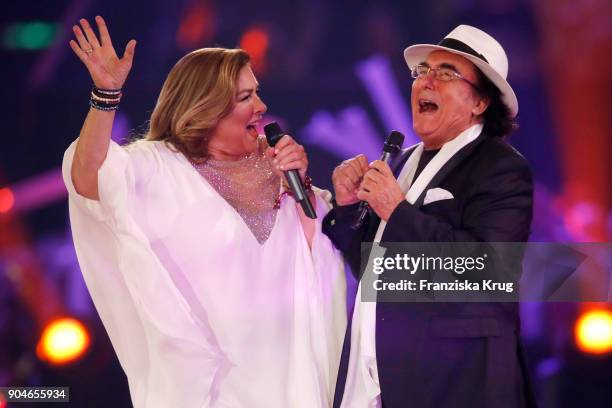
(252, 129)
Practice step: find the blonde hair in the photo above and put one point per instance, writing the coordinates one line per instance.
(198, 92)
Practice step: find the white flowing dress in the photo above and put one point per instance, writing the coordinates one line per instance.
(199, 313)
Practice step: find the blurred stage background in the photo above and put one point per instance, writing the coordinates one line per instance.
(332, 73)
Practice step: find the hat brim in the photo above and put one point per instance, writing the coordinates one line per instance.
(415, 54)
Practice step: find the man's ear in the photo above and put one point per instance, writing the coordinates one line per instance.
(481, 106)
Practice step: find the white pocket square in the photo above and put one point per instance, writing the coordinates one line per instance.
(437, 194)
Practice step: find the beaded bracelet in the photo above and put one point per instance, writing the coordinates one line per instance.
(307, 186)
(105, 99)
(107, 92)
(103, 95)
(102, 107)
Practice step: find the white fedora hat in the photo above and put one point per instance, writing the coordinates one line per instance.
(478, 47)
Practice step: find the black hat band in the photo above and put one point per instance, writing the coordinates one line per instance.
(461, 46)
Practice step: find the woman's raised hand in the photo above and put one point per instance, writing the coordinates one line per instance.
(106, 69)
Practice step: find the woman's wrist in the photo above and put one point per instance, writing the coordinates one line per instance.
(287, 190)
(306, 180)
(105, 99)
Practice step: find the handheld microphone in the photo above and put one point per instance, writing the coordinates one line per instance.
(392, 145)
(273, 134)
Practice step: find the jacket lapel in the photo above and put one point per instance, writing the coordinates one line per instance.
(453, 162)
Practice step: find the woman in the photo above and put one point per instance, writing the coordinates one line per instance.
(210, 296)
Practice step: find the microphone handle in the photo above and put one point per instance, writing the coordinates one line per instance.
(299, 193)
(364, 208)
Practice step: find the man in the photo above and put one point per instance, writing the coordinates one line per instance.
(462, 183)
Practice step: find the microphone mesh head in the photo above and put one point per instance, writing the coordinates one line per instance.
(394, 142)
(273, 133)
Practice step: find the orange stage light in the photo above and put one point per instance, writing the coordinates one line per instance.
(593, 332)
(63, 341)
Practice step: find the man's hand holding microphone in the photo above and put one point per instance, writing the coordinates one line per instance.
(354, 180)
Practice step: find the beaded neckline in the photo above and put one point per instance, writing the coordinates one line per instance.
(249, 185)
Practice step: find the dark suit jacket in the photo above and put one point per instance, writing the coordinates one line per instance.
(450, 354)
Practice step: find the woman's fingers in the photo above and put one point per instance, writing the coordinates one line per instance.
(284, 141)
(83, 43)
(294, 165)
(288, 157)
(128, 54)
(105, 38)
(291, 150)
(79, 52)
(89, 34)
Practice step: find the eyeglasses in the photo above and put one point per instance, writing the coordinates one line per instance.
(441, 74)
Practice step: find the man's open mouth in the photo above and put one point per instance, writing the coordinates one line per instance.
(426, 105)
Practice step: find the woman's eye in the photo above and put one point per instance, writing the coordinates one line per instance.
(246, 97)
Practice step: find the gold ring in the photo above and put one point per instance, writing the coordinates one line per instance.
(89, 51)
